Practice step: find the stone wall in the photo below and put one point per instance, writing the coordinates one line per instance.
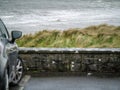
(71, 59)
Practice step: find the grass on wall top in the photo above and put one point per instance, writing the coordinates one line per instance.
(100, 36)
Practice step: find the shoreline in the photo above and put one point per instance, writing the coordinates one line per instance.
(34, 30)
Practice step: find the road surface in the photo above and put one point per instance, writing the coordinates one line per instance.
(73, 83)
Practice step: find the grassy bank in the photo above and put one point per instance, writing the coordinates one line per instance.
(94, 36)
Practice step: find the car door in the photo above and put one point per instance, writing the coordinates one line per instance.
(10, 48)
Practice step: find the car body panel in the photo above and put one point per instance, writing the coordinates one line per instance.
(3, 62)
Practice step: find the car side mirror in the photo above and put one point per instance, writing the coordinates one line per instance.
(15, 35)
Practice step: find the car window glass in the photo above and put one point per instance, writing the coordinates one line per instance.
(0, 33)
(3, 31)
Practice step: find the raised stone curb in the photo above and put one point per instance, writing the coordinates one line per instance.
(83, 60)
(69, 50)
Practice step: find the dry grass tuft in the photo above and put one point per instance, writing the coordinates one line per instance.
(93, 36)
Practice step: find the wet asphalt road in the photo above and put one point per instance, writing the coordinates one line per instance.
(73, 83)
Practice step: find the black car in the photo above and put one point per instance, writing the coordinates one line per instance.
(11, 66)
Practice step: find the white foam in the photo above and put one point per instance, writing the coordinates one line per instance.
(6, 17)
(58, 19)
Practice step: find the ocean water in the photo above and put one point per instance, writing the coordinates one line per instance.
(30, 16)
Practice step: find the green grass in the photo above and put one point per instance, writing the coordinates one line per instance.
(101, 36)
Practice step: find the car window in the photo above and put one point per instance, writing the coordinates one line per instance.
(3, 30)
(0, 33)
